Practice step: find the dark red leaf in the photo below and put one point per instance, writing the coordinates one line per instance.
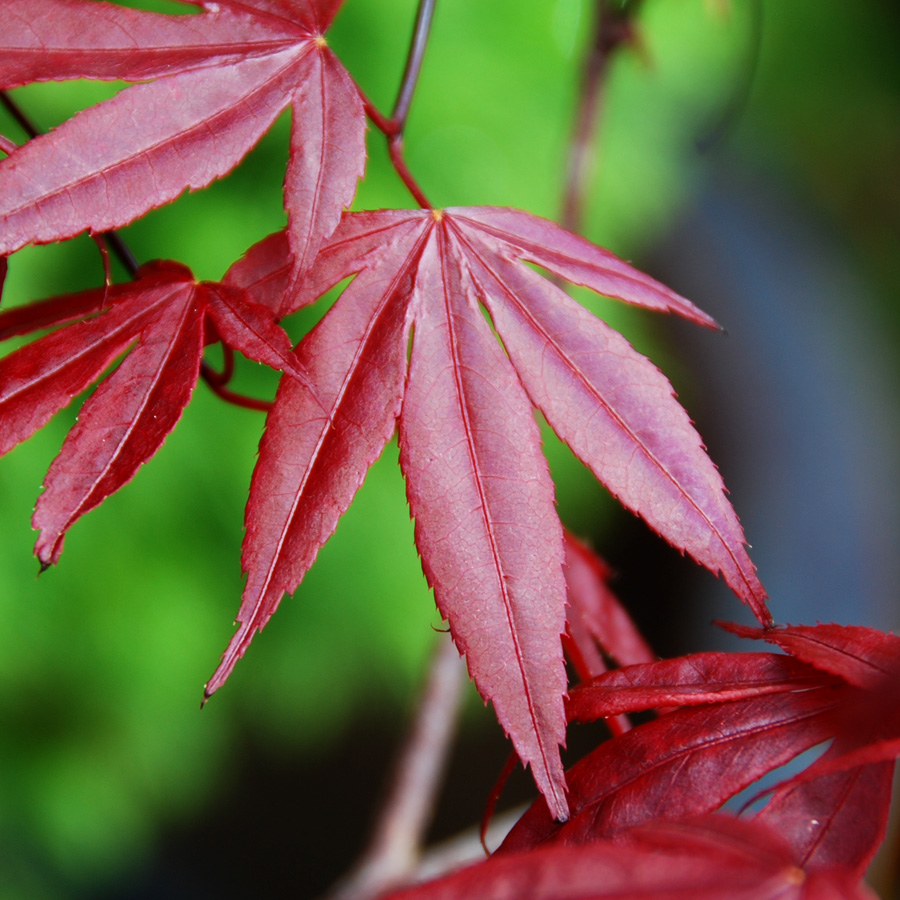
(165, 313)
(56, 311)
(687, 762)
(264, 272)
(251, 329)
(41, 378)
(595, 614)
(835, 818)
(710, 858)
(311, 462)
(124, 422)
(700, 678)
(861, 656)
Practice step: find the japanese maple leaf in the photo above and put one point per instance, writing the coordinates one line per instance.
(477, 482)
(212, 84)
(705, 858)
(597, 624)
(835, 812)
(167, 318)
(744, 715)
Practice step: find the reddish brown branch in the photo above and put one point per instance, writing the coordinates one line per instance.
(613, 27)
(392, 128)
(217, 385)
(112, 240)
(399, 830)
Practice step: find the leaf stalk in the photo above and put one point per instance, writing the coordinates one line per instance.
(392, 128)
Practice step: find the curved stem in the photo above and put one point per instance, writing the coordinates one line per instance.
(392, 128)
(612, 28)
(222, 378)
(213, 379)
(395, 149)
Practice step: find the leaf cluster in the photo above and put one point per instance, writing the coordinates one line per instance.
(452, 332)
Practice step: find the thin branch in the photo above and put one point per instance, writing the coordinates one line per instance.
(396, 842)
(16, 112)
(395, 149)
(740, 95)
(122, 252)
(392, 128)
(613, 27)
(113, 241)
(6, 145)
(413, 63)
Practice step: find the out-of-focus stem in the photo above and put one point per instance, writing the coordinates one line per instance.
(613, 27)
(399, 829)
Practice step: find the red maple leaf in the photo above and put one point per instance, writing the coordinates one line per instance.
(477, 482)
(169, 318)
(213, 84)
(597, 625)
(705, 858)
(744, 715)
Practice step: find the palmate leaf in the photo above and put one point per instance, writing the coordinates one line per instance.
(167, 317)
(704, 858)
(219, 80)
(744, 715)
(836, 811)
(596, 622)
(477, 483)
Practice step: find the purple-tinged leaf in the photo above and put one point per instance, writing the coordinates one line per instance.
(198, 125)
(619, 415)
(222, 78)
(55, 40)
(517, 234)
(486, 527)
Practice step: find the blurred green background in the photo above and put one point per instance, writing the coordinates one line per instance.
(112, 783)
